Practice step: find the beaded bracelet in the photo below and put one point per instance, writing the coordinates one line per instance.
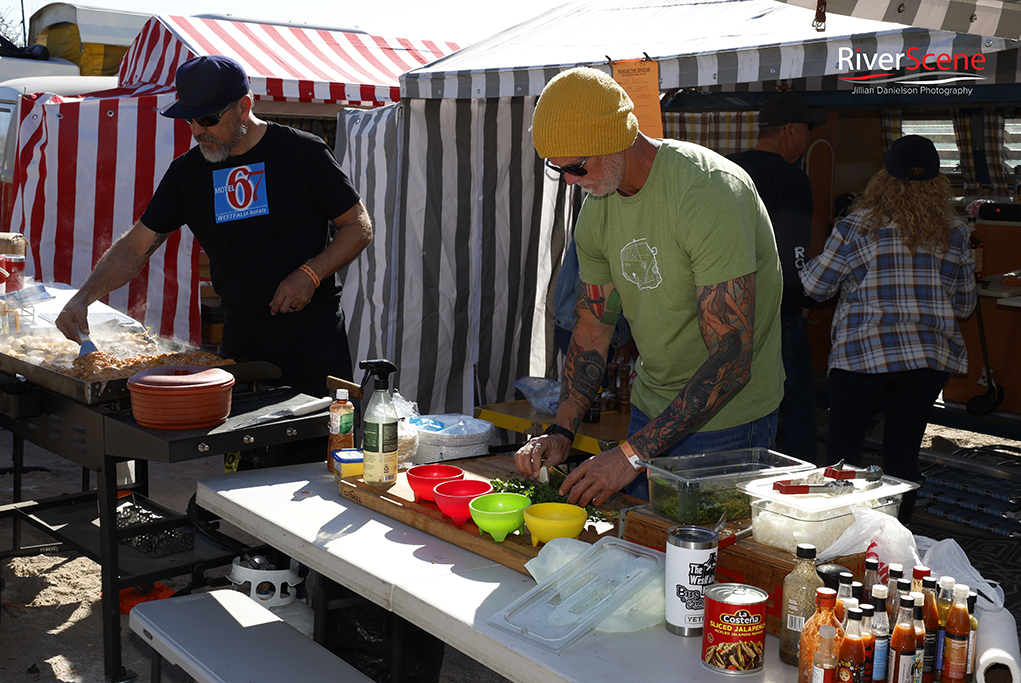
(305, 268)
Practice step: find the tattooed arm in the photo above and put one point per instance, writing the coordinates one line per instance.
(119, 264)
(726, 314)
(597, 313)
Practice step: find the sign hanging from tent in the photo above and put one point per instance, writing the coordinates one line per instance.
(640, 79)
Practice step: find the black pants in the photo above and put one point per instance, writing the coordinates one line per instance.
(905, 399)
(306, 346)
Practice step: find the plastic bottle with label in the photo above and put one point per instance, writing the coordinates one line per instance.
(826, 598)
(798, 602)
(851, 660)
(379, 441)
(901, 659)
(944, 601)
(931, 617)
(342, 427)
(881, 629)
(824, 663)
(957, 633)
(868, 638)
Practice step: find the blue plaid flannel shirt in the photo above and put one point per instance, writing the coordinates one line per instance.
(897, 310)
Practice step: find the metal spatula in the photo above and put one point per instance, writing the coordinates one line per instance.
(88, 346)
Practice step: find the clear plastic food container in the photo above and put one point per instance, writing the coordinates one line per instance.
(697, 489)
(782, 520)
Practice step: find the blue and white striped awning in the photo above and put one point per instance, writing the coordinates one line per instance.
(698, 43)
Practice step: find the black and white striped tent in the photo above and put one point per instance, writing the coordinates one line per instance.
(456, 287)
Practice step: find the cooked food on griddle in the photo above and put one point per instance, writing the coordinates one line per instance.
(121, 355)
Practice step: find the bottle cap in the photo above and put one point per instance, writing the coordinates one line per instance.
(972, 599)
(826, 597)
(903, 585)
(896, 570)
(867, 610)
(946, 582)
(806, 550)
(341, 394)
(845, 577)
(961, 591)
(850, 602)
(880, 591)
(872, 563)
(827, 631)
(919, 599)
(907, 600)
(920, 571)
(929, 582)
(854, 614)
(856, 589)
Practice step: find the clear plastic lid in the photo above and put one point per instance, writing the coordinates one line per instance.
(580, 594)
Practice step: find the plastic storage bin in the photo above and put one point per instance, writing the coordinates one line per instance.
(782, 521)
(697, 489)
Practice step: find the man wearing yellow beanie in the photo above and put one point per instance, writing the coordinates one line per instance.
(674, 236)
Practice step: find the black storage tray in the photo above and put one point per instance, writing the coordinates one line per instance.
(158, 531)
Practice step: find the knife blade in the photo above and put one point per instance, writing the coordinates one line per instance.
(297, 411)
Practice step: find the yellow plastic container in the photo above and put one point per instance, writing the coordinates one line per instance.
(347, 462)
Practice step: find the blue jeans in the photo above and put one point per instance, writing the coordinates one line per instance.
(760, 433)
(905, 399)
(798, 435)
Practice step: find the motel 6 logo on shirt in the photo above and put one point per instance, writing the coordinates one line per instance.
(240, 192)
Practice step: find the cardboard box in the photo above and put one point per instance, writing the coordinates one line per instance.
(746, 561)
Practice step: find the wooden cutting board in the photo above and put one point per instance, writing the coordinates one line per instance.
(399, 503)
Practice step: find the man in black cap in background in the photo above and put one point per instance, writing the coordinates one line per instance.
(785, 127)
(275, 214)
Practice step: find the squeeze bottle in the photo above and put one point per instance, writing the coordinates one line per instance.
(379, 439)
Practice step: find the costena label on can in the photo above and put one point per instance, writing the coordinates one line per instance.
(734, 633)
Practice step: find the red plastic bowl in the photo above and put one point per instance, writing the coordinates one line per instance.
(423, 478)
(453, 497)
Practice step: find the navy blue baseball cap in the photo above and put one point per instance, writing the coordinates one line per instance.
(206, 85)
(912, 157)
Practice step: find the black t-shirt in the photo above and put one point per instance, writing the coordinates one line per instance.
(258, 216)
(787, 194)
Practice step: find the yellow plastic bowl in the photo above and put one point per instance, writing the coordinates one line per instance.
(546, 521)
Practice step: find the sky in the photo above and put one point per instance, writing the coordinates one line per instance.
(460, 21)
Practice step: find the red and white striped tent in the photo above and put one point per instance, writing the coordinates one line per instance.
(88, 165)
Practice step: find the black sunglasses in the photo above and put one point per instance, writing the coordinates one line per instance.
(574, 169)
(210, 120)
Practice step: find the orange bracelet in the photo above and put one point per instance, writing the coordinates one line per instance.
(305, 268)
(631, 455)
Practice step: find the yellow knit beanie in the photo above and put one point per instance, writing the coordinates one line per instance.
(583, 112)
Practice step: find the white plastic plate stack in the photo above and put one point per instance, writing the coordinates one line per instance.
(462, 437)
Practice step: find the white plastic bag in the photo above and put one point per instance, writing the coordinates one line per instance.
(647, 609)
(542, 394)
(876, 533)
(947, 558)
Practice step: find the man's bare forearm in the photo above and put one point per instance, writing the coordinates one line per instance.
(354, 233)
(121, 262)
(727, 316)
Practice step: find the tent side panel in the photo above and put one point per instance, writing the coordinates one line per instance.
(368, 151)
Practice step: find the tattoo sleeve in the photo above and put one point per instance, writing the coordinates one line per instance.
(583, 373)
(726, 318)
(602, 301)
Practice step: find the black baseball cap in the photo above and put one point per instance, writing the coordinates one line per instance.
(788, 107)
(206, 85)
(912, 157)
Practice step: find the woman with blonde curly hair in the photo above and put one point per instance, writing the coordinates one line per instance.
(901, 265)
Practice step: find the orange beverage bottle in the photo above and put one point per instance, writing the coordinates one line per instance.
(868, 638)
(931, 617)
(851, 657)
(901, 663)
(843, 591)
(825, 599)
(958, 629)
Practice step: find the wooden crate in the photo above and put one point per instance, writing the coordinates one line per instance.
(747, 561)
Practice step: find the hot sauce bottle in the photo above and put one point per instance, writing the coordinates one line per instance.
(919, 620)
(901, 662)
(944, 601)
(881, 629)
(843, 591)
(918, 572)
(972, 599)
(851, 658)
(931, 629)
(868, 639)
(824, 663)
(871, 577)
(825, 600)
(957, 631)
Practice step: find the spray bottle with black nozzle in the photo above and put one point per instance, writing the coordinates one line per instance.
(379, 438)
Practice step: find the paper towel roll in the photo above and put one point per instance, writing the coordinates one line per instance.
(997, 644)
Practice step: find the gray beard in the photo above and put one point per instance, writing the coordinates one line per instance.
(223, 148)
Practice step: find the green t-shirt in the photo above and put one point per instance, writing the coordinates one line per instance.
(697, 221)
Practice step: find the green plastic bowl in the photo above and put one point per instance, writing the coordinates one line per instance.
(498, 514)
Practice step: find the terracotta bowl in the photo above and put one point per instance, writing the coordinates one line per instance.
(181, 397)
(453, 497)
(424, 478)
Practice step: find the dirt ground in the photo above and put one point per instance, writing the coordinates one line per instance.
(50, 627)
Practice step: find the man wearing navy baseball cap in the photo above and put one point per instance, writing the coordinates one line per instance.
(275, 214)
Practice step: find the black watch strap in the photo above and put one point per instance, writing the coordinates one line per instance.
(562, 431)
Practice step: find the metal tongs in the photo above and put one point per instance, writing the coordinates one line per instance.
(841, 481)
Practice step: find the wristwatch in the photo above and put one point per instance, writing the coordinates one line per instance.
(562, 431)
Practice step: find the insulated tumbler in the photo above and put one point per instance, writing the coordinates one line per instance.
(690, 569)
